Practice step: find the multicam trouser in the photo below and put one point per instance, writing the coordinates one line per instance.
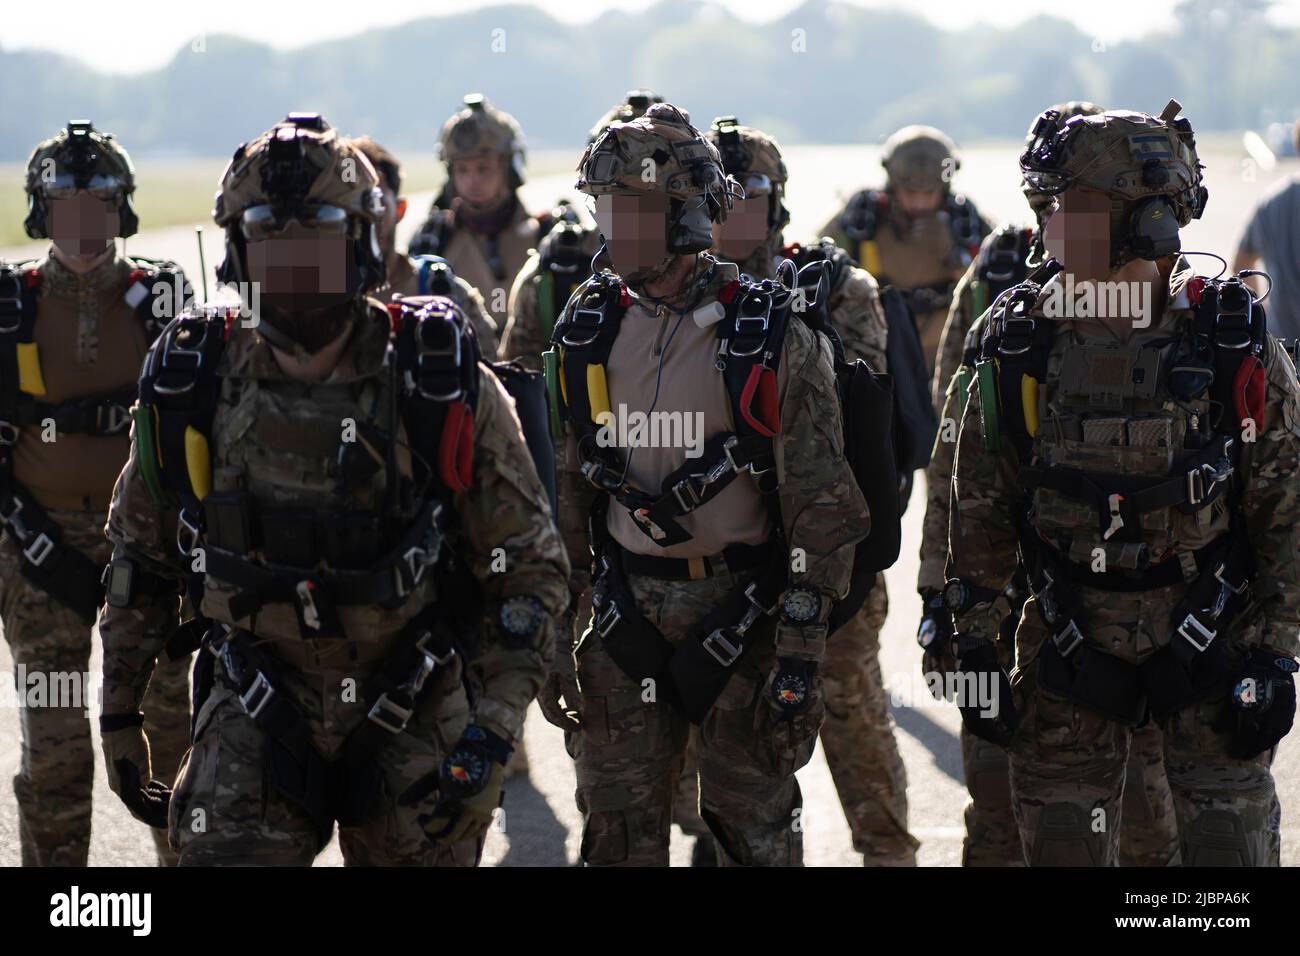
(1148, 835)
(631, 747)
(1069, 764)
(50, 646)
(859, 739)
(225, 810)
(858, 735)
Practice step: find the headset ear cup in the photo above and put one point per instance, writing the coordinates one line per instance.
(1153, 229)
(129, 222)
(35, 225)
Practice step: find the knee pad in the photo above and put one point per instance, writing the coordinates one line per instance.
(1064, 837)
(988, 777)
(1217, 838)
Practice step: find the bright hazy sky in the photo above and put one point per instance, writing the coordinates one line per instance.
(116, 40)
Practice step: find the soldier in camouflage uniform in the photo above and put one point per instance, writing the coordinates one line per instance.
(1148, 483)
(680, 632)
(77, 324)
(560, 263)
(340, 696)
(402, 274)
(478, 222)
(858, 733)
(1149, 836)
(916, 234)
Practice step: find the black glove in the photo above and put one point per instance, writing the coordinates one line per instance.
(126, 754)
(935, 637)
(469, 787)
(994, 719)
(1261, 706)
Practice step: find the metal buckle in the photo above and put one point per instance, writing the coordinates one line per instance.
(565, 339)
(258, 695)
(426, 352)
(1009, 329)
(10, 518)
(1218, 576)
(393, 717)
(40, 549)
(422, 645)
(171, 357)
(8, 328)
(763, 321)
(9, 434)
(608, 619)
(186, 527)
(688, 484)
(1204, 632)
(1072, 632)
(721, 649)
(1197, 488)
(111, 419)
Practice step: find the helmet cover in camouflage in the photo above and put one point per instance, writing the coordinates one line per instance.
(632, 106)
(480, 129)
(301, 170)
(301, 160)
(920, 157)
(1127, 155)
(754, 159)
(660, 152)
(1040, 202)
(79, 157)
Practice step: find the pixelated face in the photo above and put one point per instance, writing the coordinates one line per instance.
(480, 179)
(918, 202)
(299, 268)
(744, 230)
(81, 224)
(1078, 233)
(634, 228)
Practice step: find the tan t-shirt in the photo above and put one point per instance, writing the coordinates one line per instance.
(90, 342)
(689, 384)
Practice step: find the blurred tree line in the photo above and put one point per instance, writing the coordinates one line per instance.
(825, 73)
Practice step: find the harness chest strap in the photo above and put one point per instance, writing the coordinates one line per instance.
(748, 361)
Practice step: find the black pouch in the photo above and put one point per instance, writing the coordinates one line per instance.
(290, 536)
(352, 541)
(228, 517)
(1170, 685)
(1098, 681)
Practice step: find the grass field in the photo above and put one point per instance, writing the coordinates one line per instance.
(180, 192)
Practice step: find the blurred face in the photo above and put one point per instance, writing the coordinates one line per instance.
(480, 179)
(744, 230)
(916, 203)
(1078, 233)
(635, 230)
(300, 269)
(82, 225)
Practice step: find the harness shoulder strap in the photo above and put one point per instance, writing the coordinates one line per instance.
(158, 291)
(435, 357)
(178, 397)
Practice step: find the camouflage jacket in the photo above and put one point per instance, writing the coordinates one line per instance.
(278, 439)
(987, 495)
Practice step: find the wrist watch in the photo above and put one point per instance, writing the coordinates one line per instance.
(521, 616)
(802, 606)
